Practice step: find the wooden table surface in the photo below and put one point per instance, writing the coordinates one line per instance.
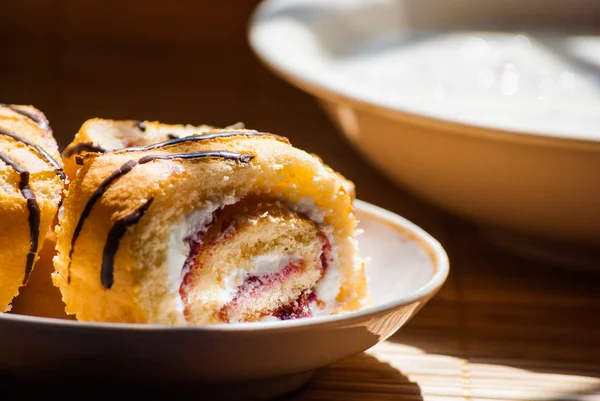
(502, 328)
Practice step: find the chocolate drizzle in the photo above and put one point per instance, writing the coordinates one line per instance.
(96, 195)
(34, 212)
(199, 138)
(112, 243)
(199, 155)
(35, 118)
(77, 148)
(126, 168)
(39, 150)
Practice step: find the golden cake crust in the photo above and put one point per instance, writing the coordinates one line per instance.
(21, 129)
(99, 135)
(176, 188)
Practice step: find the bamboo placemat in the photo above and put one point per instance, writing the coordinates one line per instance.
(502, 328)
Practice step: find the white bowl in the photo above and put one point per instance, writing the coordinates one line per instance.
(541, 184)
(257, 360)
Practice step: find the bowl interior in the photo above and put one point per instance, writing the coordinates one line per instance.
(375, 51)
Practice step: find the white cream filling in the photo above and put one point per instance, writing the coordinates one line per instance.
(261, 265)
(179, 249)
(328, 287)
(271, 263)
(307, 207)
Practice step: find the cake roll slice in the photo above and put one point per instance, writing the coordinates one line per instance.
(99, 135)
(31, 189)
(229, 226)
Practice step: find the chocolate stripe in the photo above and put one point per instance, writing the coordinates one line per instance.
(33, 209)
(36, 119)
(96, 195)
(77, 148)
(113, 240)
(127, 167)
(200, 138)
(200, 155)
(40, 151)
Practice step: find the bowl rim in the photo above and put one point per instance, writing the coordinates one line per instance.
(321, 91)
(433, 248)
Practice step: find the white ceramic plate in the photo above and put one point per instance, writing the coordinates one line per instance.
(406, 268)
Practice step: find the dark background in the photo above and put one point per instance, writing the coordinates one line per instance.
(182, 61)
(179, 61)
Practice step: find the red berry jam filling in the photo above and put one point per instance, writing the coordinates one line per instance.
(222, 228)
(326, 257)
(254, 286)
(195, 245)
(299, 308)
